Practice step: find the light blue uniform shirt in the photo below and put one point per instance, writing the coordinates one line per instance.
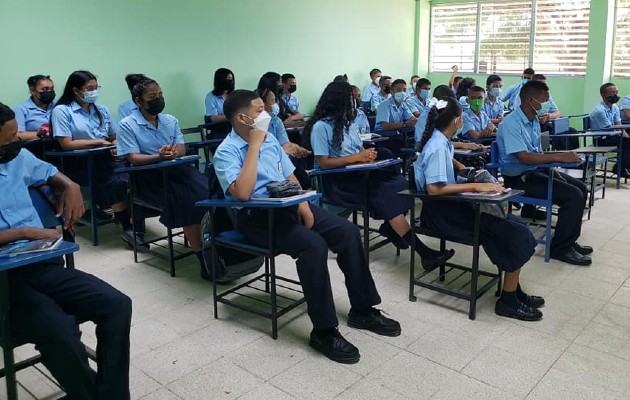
(322, 140)
(420, 125)
(435, 163)
(74, 122)
(136, 135)
(602, 116)
(516, 133)
(552, 104)
(273, 163)
(464, 103)
(414, 104)
(370, 91)
(625, 104)
(214, 104)
(389, 111)
(511, 95)
(362, 121)
(291, 102)
(277, 129)
(125, 109)
(474, 122)
(29, 117)
(493, 110)
(16, 207)
(377, 99)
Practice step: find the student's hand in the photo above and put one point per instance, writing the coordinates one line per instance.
(168, 152)
(256, 137)
(472, 146)
(624, 134)
(366, 155)
(412, 122)
(569, 157)
(543, 119)
(302, 152)
(71, 201)
(454, 68)
(489, 188)
(114, 152)
(305, 215)
(100, 142)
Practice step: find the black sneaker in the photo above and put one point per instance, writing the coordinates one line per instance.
(523, 312)
(224, 278)
(375, 322)
(331, 344)
(127, 237)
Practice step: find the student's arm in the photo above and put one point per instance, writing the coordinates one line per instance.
(26, 233)
(243, 187)
(27, 135)
(363, 156)
(528, 158)
(70, 198)
(451, 80)
(68, 144)
(304, 213)
(457, 166)
(467, 146)
(440, 189)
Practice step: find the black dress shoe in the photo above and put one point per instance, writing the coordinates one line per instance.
(532, 301)
(375, 322)
(532, 212)
(387, 231)
(583, 250)
(331, 344)
(572, 257)
(522, 312)
(222, 279)
(429, 264)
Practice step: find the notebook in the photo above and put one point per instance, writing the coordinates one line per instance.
(29, 246)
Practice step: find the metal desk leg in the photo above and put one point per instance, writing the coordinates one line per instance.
(272, 272)
(619, 160)
(5, 337)
(93, 221)
(412, 257)
(366, 220)
(472, 313)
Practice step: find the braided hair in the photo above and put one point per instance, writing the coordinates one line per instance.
(440, 119)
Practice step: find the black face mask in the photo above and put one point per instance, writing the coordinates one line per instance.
(9, 152)
(387, 89)
(292, 88)
(155, 106)
(47, 97)
(613, 99)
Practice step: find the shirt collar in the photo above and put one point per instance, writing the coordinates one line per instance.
(521, 115)
(603, 103)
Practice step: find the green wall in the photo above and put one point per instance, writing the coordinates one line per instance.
(181, 43)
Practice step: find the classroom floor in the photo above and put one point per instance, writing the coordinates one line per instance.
(580, 350)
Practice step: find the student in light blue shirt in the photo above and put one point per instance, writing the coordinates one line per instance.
(373, 87)
(245, 163)
(624, 108)
(289, 105)
(78, 122)
(411, 90)
(33, 115)
(507, 241)
(462, 91)
(493, 106)
(512, 94)
(224, 82)
(385, 83)
(361, 118)
(127, 107)
(477, 124)
(393, 113)
(553, 113)
(418, 103)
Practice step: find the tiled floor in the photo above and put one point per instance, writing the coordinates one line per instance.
(580, 350)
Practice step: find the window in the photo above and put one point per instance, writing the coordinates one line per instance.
(509, 36)
(621, 49)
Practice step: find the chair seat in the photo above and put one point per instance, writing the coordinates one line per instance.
(236, 240)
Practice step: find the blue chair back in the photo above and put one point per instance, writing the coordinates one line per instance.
(45, 209)
(559, 125)
(494, 152)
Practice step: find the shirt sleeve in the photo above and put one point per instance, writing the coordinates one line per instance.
(20, 117)
(211, 108)
(616, 114)
(468, 125)
(552, 105)
(513, 139)
(406, 113)
(61, 122)
(285, 162)
(320, 139)
(37, 171)
(227, 166)
(280, 132)
(126, 141)
(625, 103)
(179, 136)
(366, 96)
(435, 166)
(382, 112)
(599, 119)
(107, 119)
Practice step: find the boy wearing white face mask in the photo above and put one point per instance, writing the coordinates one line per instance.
(493, 106)
(373, 87)
(394, 113)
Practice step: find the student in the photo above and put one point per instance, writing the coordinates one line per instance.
(462, 91)
(271, 81)
(223, 85)
(361, 119)
(518, 141)
(148, 136)
(335, 140)
(393, 113)
(493, 106)
(507, 241)
(386, 88)
(289, 105)
(454, 80)
(126, 108)
(33, 115)
(411, 90)
(418, 102)
(553, 113)
(624, 108)
(245, 162)
(47, 299)
(374, 86)
(605, 115)
(512, 94)
(78, 122)
(477, 124)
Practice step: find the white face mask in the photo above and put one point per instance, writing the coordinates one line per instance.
(262, 121)
(275, 109)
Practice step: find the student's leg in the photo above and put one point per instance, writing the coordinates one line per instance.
(193, 234)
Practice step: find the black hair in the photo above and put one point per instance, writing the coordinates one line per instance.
(477, 89)
(422, 82)
(141, 87)
(604, 87)
(341, 78)
(539, 77)
(352, 87)
(493, 78)
(439, 119)
(132, 79)
(32, 81)
(238, 100)
(529, 71)
(269, 81)
(375, 71)
(457, 79)
(464, 85)
(335, 104)
(532, 89)
(220, 79)
(399, 81)
(6, 114)
(285, 77)
(384, 78)
(76, 80)
(413, 76)
(441, 91)
(265, 93)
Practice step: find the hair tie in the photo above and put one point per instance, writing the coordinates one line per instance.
(439, 104)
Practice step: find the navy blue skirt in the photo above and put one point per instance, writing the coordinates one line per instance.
(109, 187)
(186, 186)
(508, 242)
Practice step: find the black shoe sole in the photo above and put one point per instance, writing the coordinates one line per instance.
(357, 325)
(430, 265)
(573, 261)
(520, 317)
(353, 359)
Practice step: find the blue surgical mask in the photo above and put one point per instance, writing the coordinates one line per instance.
(545, 106)
(400, 97)
(496, 92)
(424, 94)
(90, 96)
(524, 81)
(275, 109)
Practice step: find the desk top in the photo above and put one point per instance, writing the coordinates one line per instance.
(259, 203)
(161, 164)
(595, 149)
(359, 167)
(81, 152)
(546, 165)
(468, 197)
(7, 263)
(202, 143)
(599, 133)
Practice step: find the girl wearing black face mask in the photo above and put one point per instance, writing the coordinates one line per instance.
(148, 136)
(223, 85)
(33, 114)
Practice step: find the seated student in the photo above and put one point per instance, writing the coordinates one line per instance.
(493, 106)
(126, 108)
(361, 119)
(373, 88)
(418, 102)
(411, 90)
(607, 114)
(245, 162)
(462, 91)
(477, 124)
(518, 141)
(507, 241)
(47, 300)
(335, 140)
(553, 112)
(33, 115)
(624, 108)
(454, 80)
(148, 136)
(512, 94)
(78, 122)
(386, 88)
(393, 113)
(289, 105)
(224, 82)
